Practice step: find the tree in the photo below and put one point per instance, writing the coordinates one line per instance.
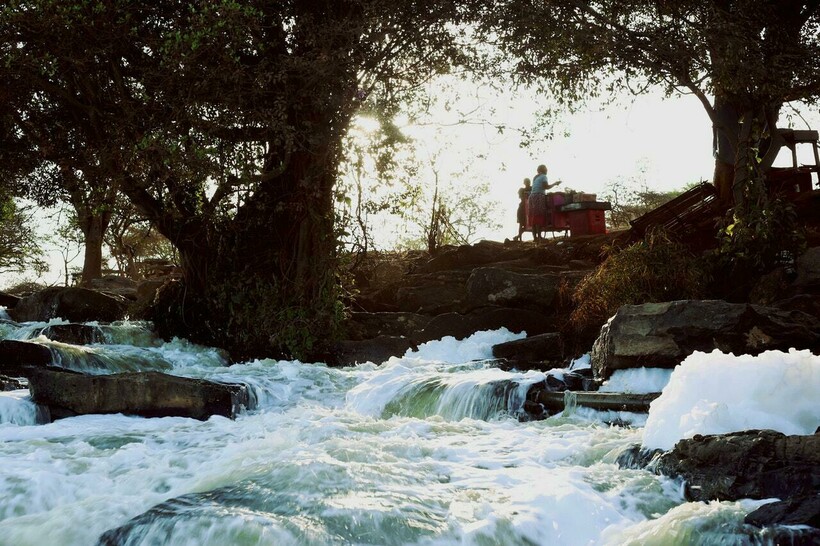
(223, 123)
(19, 244)
(742, 59)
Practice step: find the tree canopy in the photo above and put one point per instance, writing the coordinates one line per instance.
(223, 123)
(741, 58)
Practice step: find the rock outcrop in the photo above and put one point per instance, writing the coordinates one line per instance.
(148, 394)
(17, 358)
(543, 351)
(71, 303)
(9, 301)
(661, 335)
(755, 464)
(73, 333)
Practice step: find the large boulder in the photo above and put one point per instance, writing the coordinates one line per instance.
(543, 351)
(70, 303)
(9, 301)
(661, 335)
(148, 394)
(17, 358)
(504, 288)
(750, 464)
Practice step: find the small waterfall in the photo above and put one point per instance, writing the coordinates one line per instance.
(104, 359)
(16, 408)
(480, 392)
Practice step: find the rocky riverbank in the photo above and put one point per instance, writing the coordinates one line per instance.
(401, 304)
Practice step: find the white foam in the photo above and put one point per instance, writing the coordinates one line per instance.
(16, 408)
(637, 381)
(717, 393)
(478, 346)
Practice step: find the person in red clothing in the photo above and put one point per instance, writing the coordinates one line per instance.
(537, 203)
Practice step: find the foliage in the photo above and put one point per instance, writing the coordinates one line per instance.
(653, 270)
(19, 244)
(223, 123)
(754, 239)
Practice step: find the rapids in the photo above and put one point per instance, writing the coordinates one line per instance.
(426, 449)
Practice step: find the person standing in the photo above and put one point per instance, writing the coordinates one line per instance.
(521, 214)
(537, 203)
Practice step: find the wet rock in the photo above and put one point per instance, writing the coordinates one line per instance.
(73, 333)
(804, 510)
(461, 325)
(543, 351)
(376, 350)
(71, 303)
(9, 301)
(370, 325)
(148, 394)
(751, 464)
(637, 457)
(12, 383)
(661, 335)
(17, 358)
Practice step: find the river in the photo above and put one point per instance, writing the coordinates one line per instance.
(427, 449)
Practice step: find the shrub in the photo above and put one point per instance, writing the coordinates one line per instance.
(653, 270)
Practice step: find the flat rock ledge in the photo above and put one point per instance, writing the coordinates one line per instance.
(147, 394)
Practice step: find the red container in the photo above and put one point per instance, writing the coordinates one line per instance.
(586, 222)
(556, 219)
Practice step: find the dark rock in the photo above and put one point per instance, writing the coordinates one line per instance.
(146, 290)
(461, 326)
(637, 457)
(751, 464)
(661, 335)
(803, 510)
(73, 333)
(369, 325)
(9, 301)
(433, 294)
(71, 303)
(12, 383)
(148, 394)
(116, 285)
(376, 350)
(494, 286)
(808, 271)
(807, 303)
(528, 352)
(466, 256)
(18, 357)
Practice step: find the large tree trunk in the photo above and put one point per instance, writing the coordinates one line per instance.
(264, 285)
(93, 227)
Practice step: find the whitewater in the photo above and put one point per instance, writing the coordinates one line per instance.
(427, 449)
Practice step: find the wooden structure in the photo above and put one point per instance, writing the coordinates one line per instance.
(684, 215)
(604, 401)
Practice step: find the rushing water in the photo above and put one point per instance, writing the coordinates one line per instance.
(427, 449)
